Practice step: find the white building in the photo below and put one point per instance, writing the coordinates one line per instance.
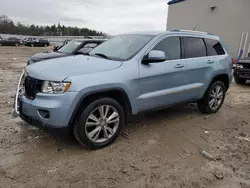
(225, 18)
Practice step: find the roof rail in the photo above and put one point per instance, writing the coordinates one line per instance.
(192, 31)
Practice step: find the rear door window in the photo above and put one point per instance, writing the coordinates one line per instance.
(214, 47)
(194, 47)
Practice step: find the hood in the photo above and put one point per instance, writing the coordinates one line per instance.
(61, 68)
(46, 55)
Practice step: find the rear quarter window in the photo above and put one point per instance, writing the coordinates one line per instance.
(214, 47)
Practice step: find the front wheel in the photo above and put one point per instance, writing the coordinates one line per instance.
(213, 98)
(239, 80)
(99, 124)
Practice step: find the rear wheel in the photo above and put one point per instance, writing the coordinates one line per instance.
(213, 98)
(239, 80)
(99, 124)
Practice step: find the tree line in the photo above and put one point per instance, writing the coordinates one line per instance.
(7, 26)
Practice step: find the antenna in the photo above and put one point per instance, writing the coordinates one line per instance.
(194, 28)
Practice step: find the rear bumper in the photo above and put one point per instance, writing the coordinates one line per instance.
(242, 73)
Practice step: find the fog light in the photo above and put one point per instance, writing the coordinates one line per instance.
(44, 114)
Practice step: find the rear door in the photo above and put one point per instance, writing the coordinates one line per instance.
(200, 67)
(163, 83)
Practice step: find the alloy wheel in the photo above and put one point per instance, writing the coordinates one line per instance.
(216, 97)
(102, 123)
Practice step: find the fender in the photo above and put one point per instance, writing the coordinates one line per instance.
(96, 92)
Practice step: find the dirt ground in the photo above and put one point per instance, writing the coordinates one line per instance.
(162, 149)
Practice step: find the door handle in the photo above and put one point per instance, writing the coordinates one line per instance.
(179, 66)
(210, 62)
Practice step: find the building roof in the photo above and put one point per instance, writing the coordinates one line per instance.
(174, 1)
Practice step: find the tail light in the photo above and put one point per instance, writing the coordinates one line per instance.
(234, 62)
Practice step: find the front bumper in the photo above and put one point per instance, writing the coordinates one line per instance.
(47, 110)
(242, 73)
(56, 108)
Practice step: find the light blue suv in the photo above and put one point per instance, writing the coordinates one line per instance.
(95, 95)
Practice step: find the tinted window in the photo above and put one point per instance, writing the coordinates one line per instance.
(214, 47)
(43, 40)
(171, 46)
(194, 47)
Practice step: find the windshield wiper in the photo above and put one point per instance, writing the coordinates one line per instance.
(102, 55)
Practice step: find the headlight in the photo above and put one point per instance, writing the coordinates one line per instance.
(239, 66)
(55, 87)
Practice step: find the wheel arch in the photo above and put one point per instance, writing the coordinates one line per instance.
(117, 94)
(221, 77)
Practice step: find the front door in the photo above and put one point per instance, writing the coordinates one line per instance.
(163, 83)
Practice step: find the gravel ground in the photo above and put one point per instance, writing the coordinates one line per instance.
(162, 148)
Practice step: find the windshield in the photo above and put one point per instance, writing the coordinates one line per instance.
(70, 47)
(122, 47)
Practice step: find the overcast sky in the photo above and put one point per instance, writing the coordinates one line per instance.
(110, 16)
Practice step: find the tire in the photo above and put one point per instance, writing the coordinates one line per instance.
(32, 45)
(16, 44)
(203, 104)
(239, 81)
(82, 132)
(0, 44)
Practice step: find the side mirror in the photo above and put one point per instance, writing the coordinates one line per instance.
(154, 56)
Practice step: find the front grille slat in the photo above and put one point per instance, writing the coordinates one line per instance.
(245, 65)
(32, 87)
